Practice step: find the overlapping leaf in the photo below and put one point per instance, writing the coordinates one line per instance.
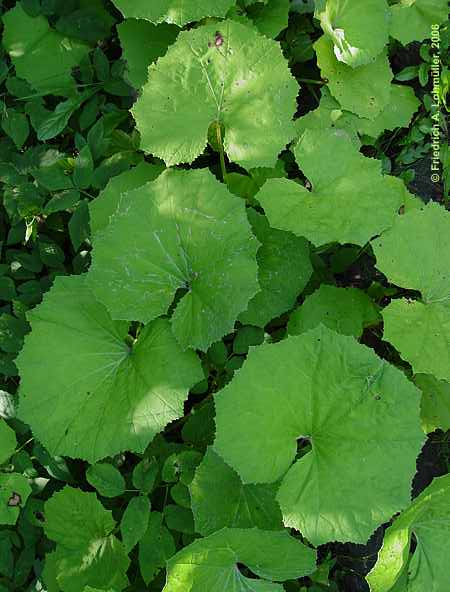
(360, 414)
(428, 519)
(14, 492)
(8, 441)
(227, 73)
(178, 12)
(337, 209)
(212, 563)
(411, 20)
(41, 55)
(364, 90)
(84, 391)
(142, 44)
(105, 205)
(435, 402)
(284, 269)
(87, 553)
(220, 499)
(419, 330)
(351, 28)
(345, 310)
(183, 231)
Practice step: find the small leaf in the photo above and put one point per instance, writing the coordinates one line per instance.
(79, 225)
(144, 474)
(15, 125)
(14, 492)
(155, 548)
(106, 479)
(84, 168)
(134, 523)
(8, 441)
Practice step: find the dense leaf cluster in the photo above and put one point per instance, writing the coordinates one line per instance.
(225, 319)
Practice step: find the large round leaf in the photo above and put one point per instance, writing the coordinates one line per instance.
(364, 90)
(351, 27)
(419, 330)
(350, 201)
(227, 73)
(360, 414)
(428, 519)
(87, 553)
(415, 253)
(183, 231)
(411, 20)
(41, 55)
(212, 563)
(178, 12)
(84, 391)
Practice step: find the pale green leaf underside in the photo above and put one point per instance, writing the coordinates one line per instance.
(211, 563)
(435, 402)
(41, 55)
(421, 333)
(87, 553)
(244, 83)
(351, 28)
(177, 12)
(86, 393)
(11, 486)
(220, 499)
(183, 231)
(415, 253)
(284, 269)
(365, 90)
(8, 441)
(105, 205)
(339, 394)
(428, 517)
(142, 44)
(345, 310)
(350, 202)
(411, 20)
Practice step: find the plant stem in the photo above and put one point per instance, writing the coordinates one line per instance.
(221, 152)
(311, 81)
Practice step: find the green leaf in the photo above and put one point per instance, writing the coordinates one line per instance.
(435, 403)
(411, 20)
(83, 169)
(41, 55)
(12, 332)
(351, 29)
(421, 333)
(244, 83)
(270, 18)
(57, 120)
(134, 523)
(426, 268)
(346, 400)
(220, 499)
(428, 519)
(246, 337)
(211, 563)
(200, 241)
(8, 441)
(106, 479)
(106, 203)
(350, 202)
(144, 474)
(284, 269)
(87, 553)
(364, 90)
(155, 548)
(14, 492)
(345, 310)
(15, 125)
(177, 12)
(81, 382)
(62, 201)
(179, 519)
(142, 44)
(79, 224)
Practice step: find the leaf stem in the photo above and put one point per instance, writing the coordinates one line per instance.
(221, 152)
